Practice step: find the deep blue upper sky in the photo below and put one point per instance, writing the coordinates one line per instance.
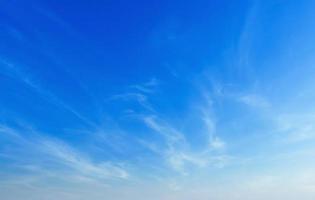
(84, 52)
(121, 99)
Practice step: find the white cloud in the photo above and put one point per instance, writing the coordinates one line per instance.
(171, 135)
(147, 87)
(67, 156)
(16, 72)
(295, 127)
(217, 143)
(207, 116)
(178, 153)
(57, 155)
(254, 100)
(140, 98)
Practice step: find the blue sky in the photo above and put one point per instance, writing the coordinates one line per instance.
(157, 100)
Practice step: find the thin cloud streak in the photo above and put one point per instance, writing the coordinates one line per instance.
(49, 96)
(55, 151)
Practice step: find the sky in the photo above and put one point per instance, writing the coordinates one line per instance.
(159, 100)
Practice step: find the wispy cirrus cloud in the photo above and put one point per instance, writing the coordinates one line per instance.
(295, 127)
(254, 100)
(147, 87)
(214, 142)
(34, 148)
(175, 149)
(67, 156)
(178, 153)
(140, 98)
(16, 72)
